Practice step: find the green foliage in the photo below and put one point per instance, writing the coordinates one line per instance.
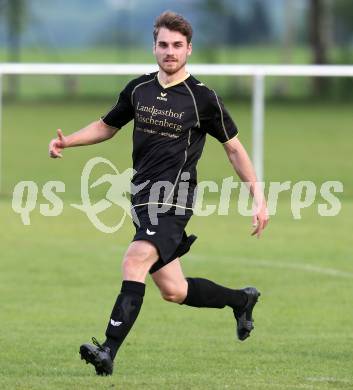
(343, 10)
(231, 29)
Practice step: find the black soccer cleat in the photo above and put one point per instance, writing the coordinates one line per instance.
(99, 356)
(245, 322)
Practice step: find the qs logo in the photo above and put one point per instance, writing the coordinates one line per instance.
(120, 186)
(25, 195)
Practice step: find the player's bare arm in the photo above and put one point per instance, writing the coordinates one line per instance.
(94, 133)
(243, 166)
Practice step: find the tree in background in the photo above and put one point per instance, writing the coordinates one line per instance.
(259, 23)
(223, 25)
(226, 24)
(316, 25)
(213, 14)
(343, 17)
(318, 43)
(325, 15)
(14, 11)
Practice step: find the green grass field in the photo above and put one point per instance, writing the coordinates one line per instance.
(60, 276)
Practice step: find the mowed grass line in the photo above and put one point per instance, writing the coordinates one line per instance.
(59, 279)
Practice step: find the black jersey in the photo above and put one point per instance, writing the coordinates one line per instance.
(170, 127)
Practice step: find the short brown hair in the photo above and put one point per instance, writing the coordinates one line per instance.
(173, 22)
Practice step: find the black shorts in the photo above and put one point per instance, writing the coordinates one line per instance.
(165, 231)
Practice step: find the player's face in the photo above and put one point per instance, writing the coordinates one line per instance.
(171, 50)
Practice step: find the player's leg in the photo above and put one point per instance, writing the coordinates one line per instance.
(139, 258)
(200, 292)
(196, 292)
(205, 293)
(171, 282)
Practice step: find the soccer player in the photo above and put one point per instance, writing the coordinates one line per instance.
(173, 112)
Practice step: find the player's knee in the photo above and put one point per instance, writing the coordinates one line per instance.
(139, 256)
(133, 262)
(176, 296)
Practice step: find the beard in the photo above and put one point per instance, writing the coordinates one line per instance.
(170, 70)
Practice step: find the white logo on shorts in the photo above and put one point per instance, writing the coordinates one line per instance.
(115, 323)
(150, 233)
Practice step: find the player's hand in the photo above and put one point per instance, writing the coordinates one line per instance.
(56, 145)
(260, 219)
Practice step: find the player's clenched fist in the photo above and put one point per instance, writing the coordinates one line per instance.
(56, 145)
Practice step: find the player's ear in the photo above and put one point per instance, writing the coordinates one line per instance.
(189, 49)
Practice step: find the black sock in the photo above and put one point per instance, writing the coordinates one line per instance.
(124, 314)
(204, 293)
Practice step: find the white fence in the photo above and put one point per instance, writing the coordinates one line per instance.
(258, 72)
